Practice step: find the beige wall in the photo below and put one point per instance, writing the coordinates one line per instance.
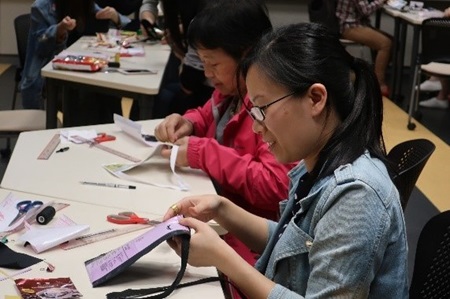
(9, 9)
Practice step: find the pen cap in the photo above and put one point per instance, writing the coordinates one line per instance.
(46, 215)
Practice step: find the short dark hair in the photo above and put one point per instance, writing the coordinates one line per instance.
(234, 26)
(299, 55)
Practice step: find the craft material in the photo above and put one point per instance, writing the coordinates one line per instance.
(46, 215)
(112, 185)
(102, 235)
(105, 266)
(107, 149)
(11, 259)
(49, 148)
(32, 288)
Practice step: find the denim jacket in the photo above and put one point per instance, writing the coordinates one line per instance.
(41, 48)
(348, 239)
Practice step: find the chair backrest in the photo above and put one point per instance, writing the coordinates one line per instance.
(324, 12)
(431, 275)
(408, 160)
(435, 37)
(436, 4)
(22, 25)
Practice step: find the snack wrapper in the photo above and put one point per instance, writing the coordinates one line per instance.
(79, 62)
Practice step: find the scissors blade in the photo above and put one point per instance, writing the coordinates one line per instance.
(18, 216)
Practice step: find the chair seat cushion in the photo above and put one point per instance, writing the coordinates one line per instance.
(22, 120)
(437, 68)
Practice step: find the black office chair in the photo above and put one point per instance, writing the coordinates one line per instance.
(408, 160)
(22, 28)
(431, 275)
(434, 59)
(13, 122)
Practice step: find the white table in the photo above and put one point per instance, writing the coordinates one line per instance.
(139, 87)
(60, 175)
(159, 267)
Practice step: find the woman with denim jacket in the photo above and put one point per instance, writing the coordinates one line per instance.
(342, 232)
(51, 23)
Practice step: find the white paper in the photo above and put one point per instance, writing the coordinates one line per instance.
(133, 129)
(44, 238)
(8, 211)
(68, 135)
(175, 182)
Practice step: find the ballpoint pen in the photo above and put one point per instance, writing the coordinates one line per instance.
(112, 185)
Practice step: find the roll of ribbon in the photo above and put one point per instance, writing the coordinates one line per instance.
(45, 215)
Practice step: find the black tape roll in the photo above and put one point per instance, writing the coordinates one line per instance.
(45, 215)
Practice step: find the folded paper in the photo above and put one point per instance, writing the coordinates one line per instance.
(42, 239)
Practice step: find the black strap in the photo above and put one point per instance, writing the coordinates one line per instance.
(165, 290)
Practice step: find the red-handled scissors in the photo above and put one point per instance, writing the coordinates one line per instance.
(102, 137)
(129, 218)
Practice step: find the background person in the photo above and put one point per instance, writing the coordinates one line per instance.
(342, 232)
(52, 21)
(56, 24)
(354, 20)
(437, 84)
(440, 101)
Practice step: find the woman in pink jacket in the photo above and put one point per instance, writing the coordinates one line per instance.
(217, 137)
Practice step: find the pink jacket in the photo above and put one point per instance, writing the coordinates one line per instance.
(245, 169)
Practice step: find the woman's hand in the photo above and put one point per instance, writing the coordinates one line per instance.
(201, 207)
(172, 128)
(181, 160)
(108, 13)
(447, 12)
(203, 245)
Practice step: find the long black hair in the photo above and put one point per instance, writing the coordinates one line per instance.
(234, 26)
(80, 10)
(178, 14)
(299, 55)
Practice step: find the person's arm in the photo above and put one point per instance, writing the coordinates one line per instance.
(447, 12)
(251, 229)
(366, 7)
(110, 13)
(44, 29)
(149, 11)
(256, 176)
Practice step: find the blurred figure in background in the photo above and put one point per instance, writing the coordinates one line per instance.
(354, 20)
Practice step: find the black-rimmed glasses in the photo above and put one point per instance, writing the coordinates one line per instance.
(258, 112)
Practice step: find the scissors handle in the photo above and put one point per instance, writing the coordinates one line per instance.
(127, 218)
(25, 205)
